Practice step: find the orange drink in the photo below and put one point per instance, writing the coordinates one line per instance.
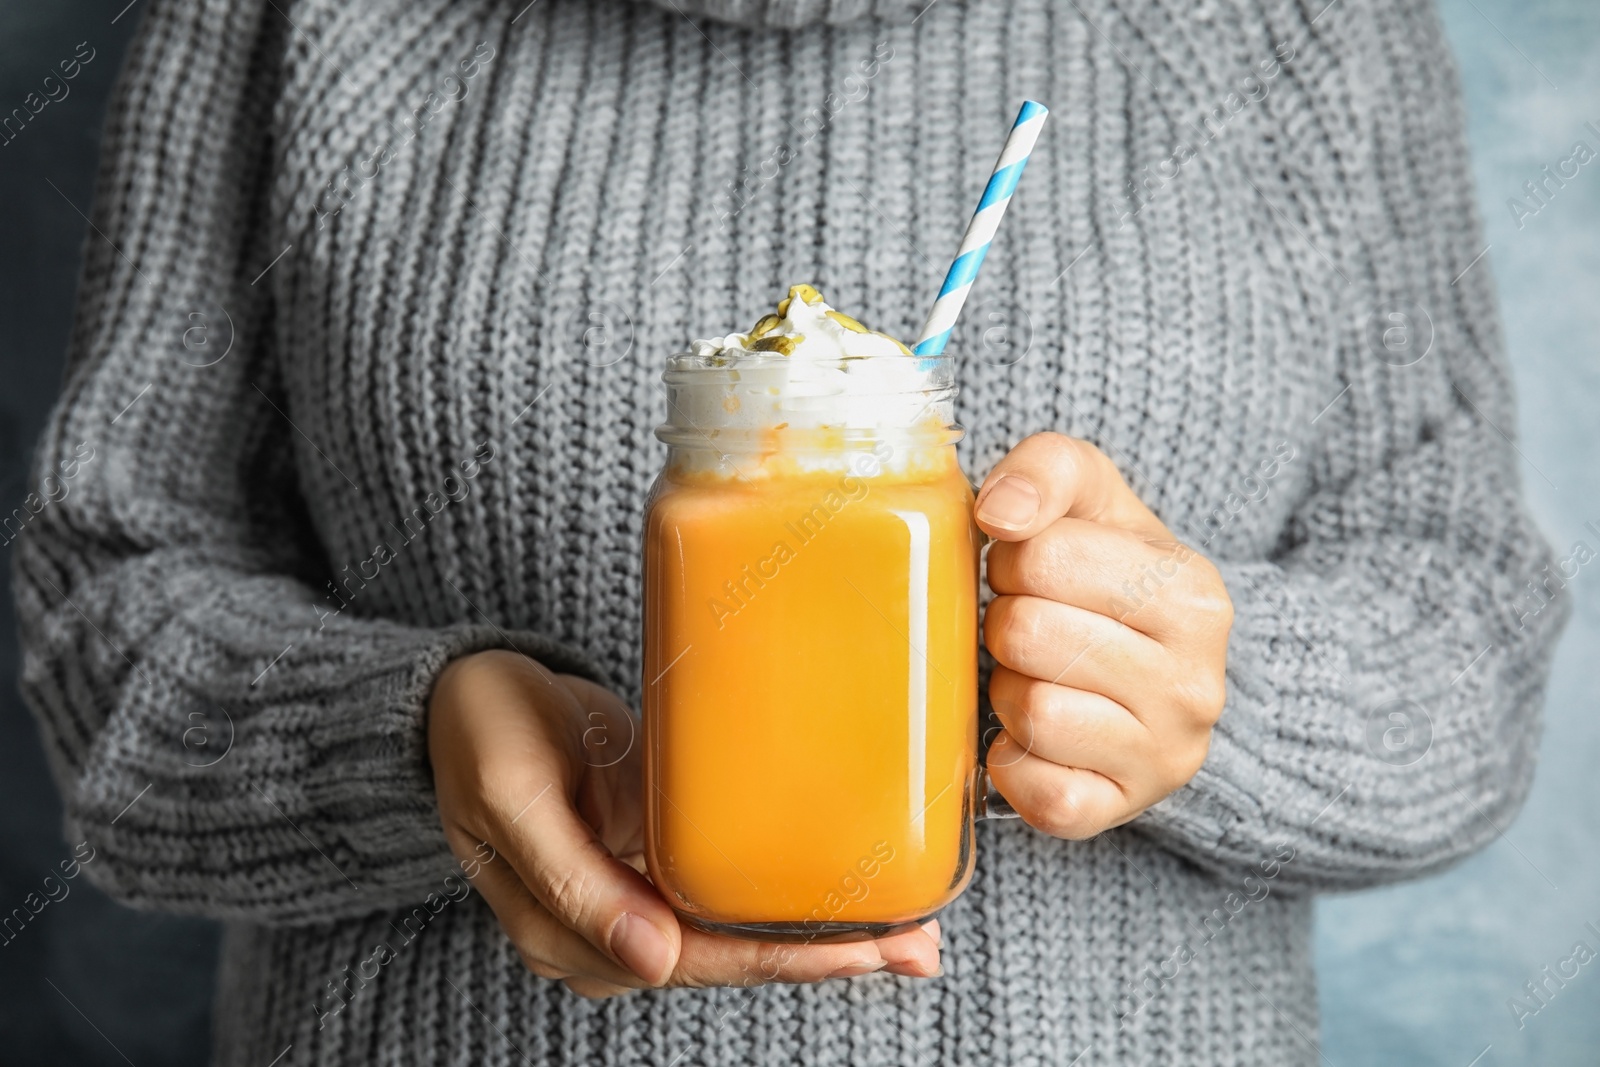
(812, 722)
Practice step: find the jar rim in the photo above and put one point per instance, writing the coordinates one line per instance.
(808, 440)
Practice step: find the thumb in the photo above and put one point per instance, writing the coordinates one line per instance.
(1050, 476)
(568, 868)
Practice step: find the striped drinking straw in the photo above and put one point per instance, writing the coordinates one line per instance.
(980, 231)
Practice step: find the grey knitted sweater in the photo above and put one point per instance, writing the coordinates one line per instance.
(364, 377)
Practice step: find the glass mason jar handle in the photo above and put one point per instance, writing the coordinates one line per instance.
(990, 804)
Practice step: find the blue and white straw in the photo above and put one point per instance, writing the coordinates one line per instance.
(980, 231)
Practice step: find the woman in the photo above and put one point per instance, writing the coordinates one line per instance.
(366, 370)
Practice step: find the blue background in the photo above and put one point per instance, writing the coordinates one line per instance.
(1418, 975)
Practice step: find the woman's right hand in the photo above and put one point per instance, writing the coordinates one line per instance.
(528, 762)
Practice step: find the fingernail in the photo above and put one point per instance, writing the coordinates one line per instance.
(1010, 505)
(642, 947)
(852, 970)
(931, 928)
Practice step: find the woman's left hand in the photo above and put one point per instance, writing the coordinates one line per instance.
(1111, 638)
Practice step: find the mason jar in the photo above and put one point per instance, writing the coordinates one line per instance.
(810, 648)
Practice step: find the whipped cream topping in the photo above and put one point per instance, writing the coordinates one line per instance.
(808, 366)
(806, 329)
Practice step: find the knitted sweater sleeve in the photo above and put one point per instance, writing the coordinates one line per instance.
(1387, 663)
(226, 744)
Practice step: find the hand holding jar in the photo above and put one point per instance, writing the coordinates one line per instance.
(552, 828)
(1111, 638)
(809, 773)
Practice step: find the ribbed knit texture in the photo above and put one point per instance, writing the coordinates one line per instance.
(440, 313)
